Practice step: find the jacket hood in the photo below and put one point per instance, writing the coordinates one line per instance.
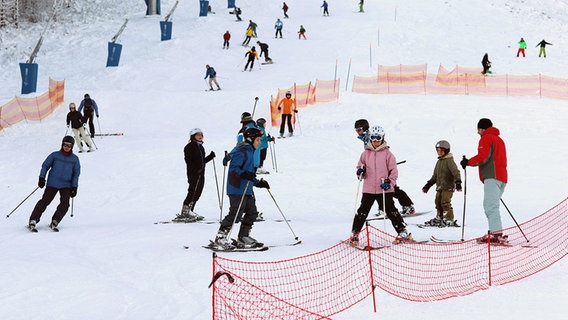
(492, 130)
(383, 145)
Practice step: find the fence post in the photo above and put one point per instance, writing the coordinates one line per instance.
(371, 266)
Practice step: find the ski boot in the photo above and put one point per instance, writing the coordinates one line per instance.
(32, 226)
(221, 240)
(408, 210)
(451, 223)
(185, 216)
(404, 236)
(354, 240)
(495, 238)
(53, 225)
(259, 217)
(244, 240)
(435, 222)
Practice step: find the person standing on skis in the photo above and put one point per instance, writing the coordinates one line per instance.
(264, 50)
(248, 35)
(491, 159)
(91, 109)
(302, 32)
(64, 169)
(75, 120)
(242, 204)
(285, 9)
(278, 26)
(212, 74)
(542, 45)
(289, 106)
(252, 54)
(195, 161)
(324, 6)
(522, 47)
(378, 170)
(226, 38)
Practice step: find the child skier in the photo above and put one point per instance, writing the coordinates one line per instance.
(522, 47)
(302, 32)
(446, 176)
(240, 180)
(377, 166)
(264, 140)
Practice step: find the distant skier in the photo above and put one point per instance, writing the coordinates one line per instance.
(237, 11)
(226, 38)
(278, 26)
(248, 35)
(285, 9)
(264, 141)
(289, 106)
(302, 32)
(542, 45)
(212, 74)
(522, 47)
(324, 6)
(75, 120)
(240, 181)
(252, 25)
(195, 160)
(264, 50)
(361, 3)
(252, 54)
(91, 109)
(64, 170)
(486, 64)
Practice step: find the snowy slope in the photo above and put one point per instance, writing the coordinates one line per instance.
(110, 260)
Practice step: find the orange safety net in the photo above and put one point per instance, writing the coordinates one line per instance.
(460, 80)
(35, 108)
(300, 288)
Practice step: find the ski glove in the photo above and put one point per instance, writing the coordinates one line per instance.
(279, 108)
(41, 183)
(360, 172)
(263, 184)
(458, 186)
(212, 154)
(426, 187)
(248, 175)
(464, 162)
(73, 192)
(386, 185)
(226, 159)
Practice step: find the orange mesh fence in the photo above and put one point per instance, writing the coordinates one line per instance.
(460, 80)
(35, 108)
(300, 288)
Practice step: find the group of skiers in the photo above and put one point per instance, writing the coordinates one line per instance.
(486, 64)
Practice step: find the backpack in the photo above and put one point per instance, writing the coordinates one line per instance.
(88, 105)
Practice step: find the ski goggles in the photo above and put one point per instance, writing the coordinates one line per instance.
(359, 129)
(376, 138)
(67, 144)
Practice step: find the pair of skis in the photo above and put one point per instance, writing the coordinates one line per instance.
(214, 247)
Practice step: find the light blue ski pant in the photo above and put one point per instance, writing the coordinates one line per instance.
(492, 191)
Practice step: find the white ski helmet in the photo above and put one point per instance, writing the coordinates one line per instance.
(376, 133)
(194, 131)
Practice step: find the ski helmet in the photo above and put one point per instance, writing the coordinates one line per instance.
(72, 106)
(443, 144)
(194, 131)
(251, 134)
(288, 93)
(246, 117)
(260, 122)
(68, 140)
(362, 123)
(376, 133)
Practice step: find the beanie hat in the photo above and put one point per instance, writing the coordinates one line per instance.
(484, 123)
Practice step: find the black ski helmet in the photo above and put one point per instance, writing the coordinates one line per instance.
(251, 134)
(362, 123)
(246, 117)
(443, 144)
(260, 122)
(68, 139)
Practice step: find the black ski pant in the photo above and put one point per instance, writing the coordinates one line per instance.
(48, 196)
(402, 197)
(265, 52)
(225, 43)
(286, 118)
(278, 32)
(251, 61)
(195, 189)
(247, 40)
(367, 201)
(88, 116)
(262, 156)
(248, 208)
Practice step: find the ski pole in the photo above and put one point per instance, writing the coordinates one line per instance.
(72, 207)
(92, 140)
(271, 154)
(99, 125)
(216, 183)
(9, 214)
(238, 210)
(223, 189)
(356, 199)
(401, 162)
(384, 207)
(275, 162)
(518, 226)
(254, 108)
(464, 199)
(283, 216)
(299, 124)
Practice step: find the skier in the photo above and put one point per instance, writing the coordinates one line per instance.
(302, 32)
(324, 6)
(195, 160)
(486, 64)
(64, 170)
(252, 54)
(248, 122)
(447, 178)
(542, 45)
(362, 129)
(212, 74)
(226, 38)
(252, 25)
(238, 13)
(278, 26)
(90, 108)
(264, 50)
(491, 159)
(522, 47)
(361, 3)
(248, 35)
(75, 120)
(285, 9)
(264, 140)
(241, 179)
(377, 167)
(289, 105)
